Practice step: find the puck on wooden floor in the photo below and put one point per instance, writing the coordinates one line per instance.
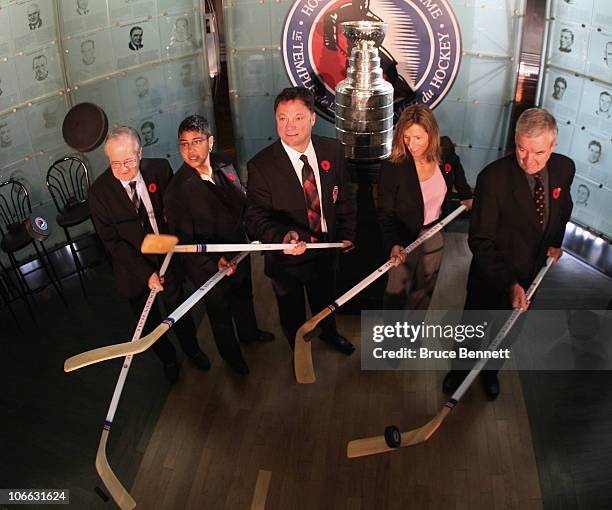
(393, 436)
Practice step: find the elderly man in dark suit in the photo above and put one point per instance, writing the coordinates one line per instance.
(205, 204)
(298, 191)
(126, 203)
(521, 206)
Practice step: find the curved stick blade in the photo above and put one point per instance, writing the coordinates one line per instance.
(302, 360)
(111, 482)
(158, 243)
(377, 444)
(302, 354)
(114, 351)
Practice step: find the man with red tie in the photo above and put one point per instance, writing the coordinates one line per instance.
(522, 203)
(299, 191)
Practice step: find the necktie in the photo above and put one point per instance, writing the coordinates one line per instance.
(311, 195)
(538, 197)
(138, 204)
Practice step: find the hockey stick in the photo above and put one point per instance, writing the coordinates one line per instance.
(393, 439)
(161, 244)
(302, 355)
(112, 483)
(138, 346)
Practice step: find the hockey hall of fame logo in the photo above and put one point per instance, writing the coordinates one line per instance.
(420, 54)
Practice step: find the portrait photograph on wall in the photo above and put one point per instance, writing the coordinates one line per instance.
(83, 15)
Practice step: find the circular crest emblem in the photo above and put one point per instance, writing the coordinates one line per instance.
(41, 223)
(420, 54)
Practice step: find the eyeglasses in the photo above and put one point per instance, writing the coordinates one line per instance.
(128, 163)
(184, 145)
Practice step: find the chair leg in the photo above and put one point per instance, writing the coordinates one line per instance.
(77, 262)
(21, 280)
(50, 270)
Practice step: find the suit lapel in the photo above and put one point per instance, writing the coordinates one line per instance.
(122, 198)
(151, 183)
(553, 198)
(286, 176)
(524, 198)
(325, 178)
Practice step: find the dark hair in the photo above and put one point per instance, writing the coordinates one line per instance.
(135, 28)
(560, 79)
(596, 144)
(569, 31)
(195, 123)
(416, 114)
(295, 94)
(148, 124)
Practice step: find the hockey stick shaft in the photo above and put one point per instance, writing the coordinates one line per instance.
(227, 248)
(302, 355)
(124, 349)
(378, 444)
(499, 338)
(111, 482)
(389, 264)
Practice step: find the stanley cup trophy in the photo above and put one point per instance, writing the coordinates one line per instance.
(364, 100)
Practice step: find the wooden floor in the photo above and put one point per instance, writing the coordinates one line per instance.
(221, 435)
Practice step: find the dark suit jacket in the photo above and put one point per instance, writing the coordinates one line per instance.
(400, 202)
(119, 227)
(505, 237)
(276, 204)
(202, 212)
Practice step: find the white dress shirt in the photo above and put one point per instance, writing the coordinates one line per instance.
(143, 193)
(298, 164)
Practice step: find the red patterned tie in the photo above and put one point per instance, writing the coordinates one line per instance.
(313, 203)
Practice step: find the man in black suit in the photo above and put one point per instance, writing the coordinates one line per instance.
(298, 191)
(204, 205)
(126, 203)
(521, 206)
(136, 34)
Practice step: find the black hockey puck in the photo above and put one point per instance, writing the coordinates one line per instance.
(393, 437)
(85, 127)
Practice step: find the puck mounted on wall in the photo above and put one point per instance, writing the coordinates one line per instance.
(85, 127)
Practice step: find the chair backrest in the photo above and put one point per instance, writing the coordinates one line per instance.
(15, 204)
(68, 182)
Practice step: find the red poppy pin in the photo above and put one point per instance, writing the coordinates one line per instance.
(448, 168)
(325, 165)
(556, 192)
(231, 177)
(152, 188)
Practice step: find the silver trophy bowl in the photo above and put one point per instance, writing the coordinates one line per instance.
(364, 100)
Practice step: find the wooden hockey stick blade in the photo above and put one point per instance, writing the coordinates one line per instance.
(111, 482)
(115, 351)
(160, 243)
(377, 444)
(302, 353)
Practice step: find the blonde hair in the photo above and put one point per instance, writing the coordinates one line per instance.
(423, 116)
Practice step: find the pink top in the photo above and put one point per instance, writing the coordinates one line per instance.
(433, 190)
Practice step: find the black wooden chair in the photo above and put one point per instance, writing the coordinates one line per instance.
(10, 293)
(15, 210)
(68, 183)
